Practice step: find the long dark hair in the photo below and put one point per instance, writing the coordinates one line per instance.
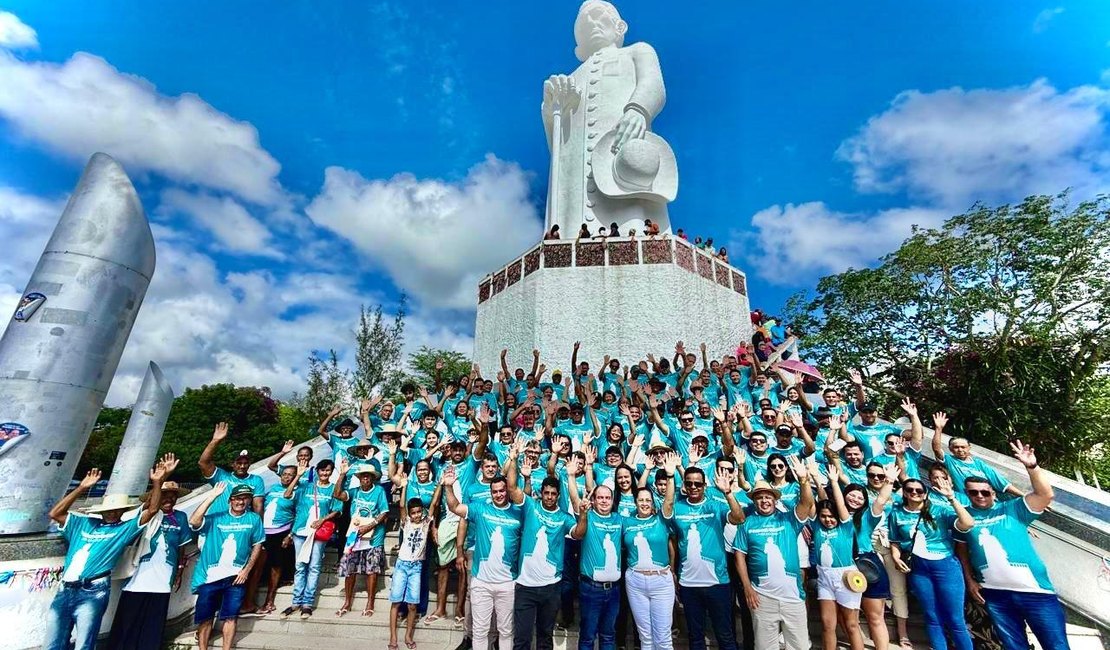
(790, 478)
(857, 516)
(926, 507)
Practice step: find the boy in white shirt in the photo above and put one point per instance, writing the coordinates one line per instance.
(405, 587)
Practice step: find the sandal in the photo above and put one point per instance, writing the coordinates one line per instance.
(306, 612)
(430, 618)
(288, 611)
(459, 621)
(342, 611)
(367, 612)
(266, 609)
(392, 646)
(905, 642)
(411, 645)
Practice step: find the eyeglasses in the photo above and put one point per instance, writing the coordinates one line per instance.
(876, 476)
(685, 419)
(693, 485)
(777, 466)
(913, 490)
(979, 493)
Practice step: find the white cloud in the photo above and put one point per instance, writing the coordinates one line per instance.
(1044, 18)
(791, 242)
(224, 217)
(15, 34)
(435, 238)
(954, 147)
(21, 220)
(85, 105)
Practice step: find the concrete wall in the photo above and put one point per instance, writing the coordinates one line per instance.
(626, 309)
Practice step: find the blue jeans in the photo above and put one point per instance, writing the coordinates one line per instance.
(77, 608)
(308, 573)
(716, 601)
(939, 588)
(598, 616)
(1011, 610)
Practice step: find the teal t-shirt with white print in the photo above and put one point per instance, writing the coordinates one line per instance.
(496, 540)
(312, 502)
(601, 547)
(962, 469)
(699, 527)
(645, 542)
(95, 546)
(832, 547)
(1001, 552)
(227, 545)
(770, 544)
(542, 542)
(366, 505)
(933, 542)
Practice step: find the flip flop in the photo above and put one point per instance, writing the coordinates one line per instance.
(392, 646)
(430, 618)
(367, 612)
(342, 611)
(459, 621)
(905, 642)
(266, 609)
(411, 645)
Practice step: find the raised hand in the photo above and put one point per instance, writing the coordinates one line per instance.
(1024, 453)
(90, 479)
(364, 406)
(744, 409)
(287, 447)
(577, 344)
(799, 468)
(157, 473)
(909, 407)
(591, 455)
(170, 462)
(943, 486)
(940, 418)
(671, 462)
(344, 465)
(220, 432)
(335, 410)
(795, 420)
(219, 488)
(718, 414)
(504, 353)
(722, 481)
(855, 376)
(526, 467)
(448, 477)
(833, 473)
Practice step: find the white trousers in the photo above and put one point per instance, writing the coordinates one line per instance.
(492, 601)
(767, 617)
(651, 598)
(898, 594)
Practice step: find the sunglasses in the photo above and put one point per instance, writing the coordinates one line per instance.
(685, 419)
(913, 490)
(758, 441)
(777, 466)
(693, 485)
(979, 493)
(876, 476)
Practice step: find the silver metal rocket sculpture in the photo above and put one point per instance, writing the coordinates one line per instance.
(131, 472)
(62, 346)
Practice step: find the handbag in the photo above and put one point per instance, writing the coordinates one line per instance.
(908, 559)
(326, 529)
(867, 569)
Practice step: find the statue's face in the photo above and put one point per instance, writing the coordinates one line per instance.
(597, 27)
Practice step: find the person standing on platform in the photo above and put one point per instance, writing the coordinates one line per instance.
(649, 578)
(232, 542)
(239, 474)
(95, 544)
(144, 600)
(599, 587)
(1001, 567)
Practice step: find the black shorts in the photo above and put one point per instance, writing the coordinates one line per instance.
(277, 556)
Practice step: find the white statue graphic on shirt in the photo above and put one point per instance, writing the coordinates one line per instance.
(493, 569)
(534, 567)
(695, 569)
(270, 512)
(610, 571)
(644, 560)
(777, 580)
(826, 558)
(226, 566)
(999, 572)
(77, 564)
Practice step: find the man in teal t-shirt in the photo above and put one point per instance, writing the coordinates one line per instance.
(1002, 568)
(698, 523)
(538, 585)
(239, 474)
(599, 528)
(496, 526)
(769, 563)
(231, 546)
(95, 544)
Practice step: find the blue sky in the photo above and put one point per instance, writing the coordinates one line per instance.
(300, 158)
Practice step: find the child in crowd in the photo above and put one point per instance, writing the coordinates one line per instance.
(405, 587)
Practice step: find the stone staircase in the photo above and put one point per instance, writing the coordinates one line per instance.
(325, 631)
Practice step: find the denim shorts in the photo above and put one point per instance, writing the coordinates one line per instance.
(220, 597)
(405, 587)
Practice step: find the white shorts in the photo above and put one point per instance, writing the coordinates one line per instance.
(830, 586)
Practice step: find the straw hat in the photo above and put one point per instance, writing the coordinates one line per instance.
(114, 502)
(763, 486)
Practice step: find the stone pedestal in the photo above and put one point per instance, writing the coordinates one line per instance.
(619, 296)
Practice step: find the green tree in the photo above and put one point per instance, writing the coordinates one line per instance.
(104, 441)
(328, 385)
(1000, 316)
(378, 351)
(422, 365)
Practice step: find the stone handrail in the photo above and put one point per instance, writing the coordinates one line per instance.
(613, 251)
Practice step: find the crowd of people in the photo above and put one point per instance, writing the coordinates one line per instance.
(601, 500)
(651, 231)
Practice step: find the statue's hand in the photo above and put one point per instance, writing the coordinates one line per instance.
(632, 126)
(559, 90)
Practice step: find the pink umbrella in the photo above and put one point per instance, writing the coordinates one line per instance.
(794, 365)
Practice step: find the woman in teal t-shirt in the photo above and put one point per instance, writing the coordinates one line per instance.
(867, 515)
(922, 545)
(316, 503)
(648, 581)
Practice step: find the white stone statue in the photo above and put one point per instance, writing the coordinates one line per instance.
(606, 164)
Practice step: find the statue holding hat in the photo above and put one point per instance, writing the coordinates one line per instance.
(607, 163)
